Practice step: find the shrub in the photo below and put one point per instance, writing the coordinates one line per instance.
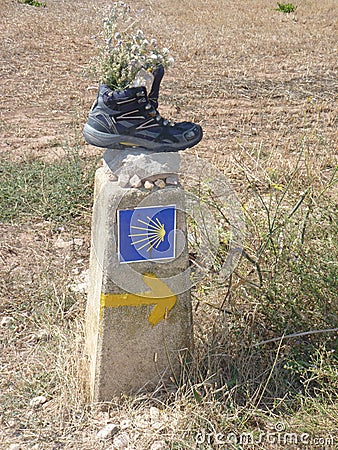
(286, 7)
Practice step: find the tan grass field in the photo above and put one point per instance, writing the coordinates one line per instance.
(263, 85)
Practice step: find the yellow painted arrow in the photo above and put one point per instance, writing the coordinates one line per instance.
(160, 294)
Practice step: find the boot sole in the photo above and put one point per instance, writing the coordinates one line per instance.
(118, 141)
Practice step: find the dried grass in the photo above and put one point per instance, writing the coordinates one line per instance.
(263, 85)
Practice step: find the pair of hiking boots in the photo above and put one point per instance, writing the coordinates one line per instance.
(129, 118)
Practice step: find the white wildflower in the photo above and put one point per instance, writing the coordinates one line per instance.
(125, 50)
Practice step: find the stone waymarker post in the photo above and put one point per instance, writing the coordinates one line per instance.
(138, 318)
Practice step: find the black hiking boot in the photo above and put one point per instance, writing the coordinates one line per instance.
(129, 118)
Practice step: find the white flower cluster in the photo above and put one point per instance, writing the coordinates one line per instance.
(125, 49)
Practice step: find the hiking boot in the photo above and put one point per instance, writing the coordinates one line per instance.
(129, 118)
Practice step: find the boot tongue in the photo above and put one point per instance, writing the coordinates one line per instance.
(153, 95)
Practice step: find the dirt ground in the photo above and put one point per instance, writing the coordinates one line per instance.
(257, 80)
(246, 73)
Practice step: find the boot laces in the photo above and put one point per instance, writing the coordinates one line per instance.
(157, 116)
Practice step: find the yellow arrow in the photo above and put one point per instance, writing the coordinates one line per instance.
(160, 294)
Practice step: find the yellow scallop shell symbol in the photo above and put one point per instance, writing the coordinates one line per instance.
(151, 235)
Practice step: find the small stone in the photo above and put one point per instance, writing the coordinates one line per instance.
(37, 401)
(148, 185)
(6, 321)
(124, 424)
(81, 288)
(135, 181)
(160, 184)
(15, 447)
(107, 432)
(173, 179)
(154, 413)
(112, 176)
(81, 282)
(60, 243)
(159, 445)
(78, 241)
(107, 170)
(123, 180)
(121, 441)
(156, 425)
(141, 422)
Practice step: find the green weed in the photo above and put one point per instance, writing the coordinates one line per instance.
(33, 3)
(286, 7)
(59, 191)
